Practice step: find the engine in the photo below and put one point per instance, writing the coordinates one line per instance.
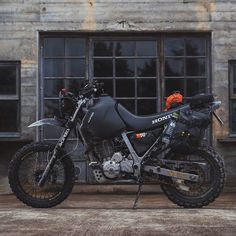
(117, 165)
(114, 164)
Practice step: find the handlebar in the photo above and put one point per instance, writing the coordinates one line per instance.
(89, 89)
(92, 88)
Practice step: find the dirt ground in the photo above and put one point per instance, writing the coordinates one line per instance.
(109, 214)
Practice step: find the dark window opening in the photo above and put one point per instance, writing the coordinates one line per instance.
(232, 97)
(64, 66)
(186, 65)
(139, 72)
(129, 70)
(9, 99)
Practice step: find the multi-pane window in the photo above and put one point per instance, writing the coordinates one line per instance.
(232, 76)
(139, 72)
(64, 66)
(9, 98)
(186, 65)
(128, 69)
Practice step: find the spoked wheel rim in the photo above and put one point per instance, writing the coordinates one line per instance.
(205, 172)
(30, 171)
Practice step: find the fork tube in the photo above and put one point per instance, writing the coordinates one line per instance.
(59, 146)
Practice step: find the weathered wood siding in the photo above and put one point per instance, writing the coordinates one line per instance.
(22, 20)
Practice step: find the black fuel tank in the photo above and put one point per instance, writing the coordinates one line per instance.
(102, 119)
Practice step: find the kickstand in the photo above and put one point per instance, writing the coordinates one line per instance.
(138, 195)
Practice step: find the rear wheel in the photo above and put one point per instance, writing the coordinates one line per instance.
(211, 179)
(26, 169)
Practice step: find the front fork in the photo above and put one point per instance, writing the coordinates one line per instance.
(52, 161)
(60, 144)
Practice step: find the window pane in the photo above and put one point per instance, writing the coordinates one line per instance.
(75, 47)
(108, 86)
(52, 87)
(172, 85)
(103, 68)
(146, 107)
(7, 79)
(125, 67)
(174, 47)
(174, 67)
(146, 67)
(52, 132)
(146, 87)
(75, 67)
(147, 48)
(73, 85)
(195, 86)
(195, 47)
(54, 47)
(234, 79)
(9, 116)
(125, 88)
(104, 48)
(233, 116)
(81, 167)
(54, 68)
(51, 108)
(128, 104)
(125, 48)
(196, 67)
(78, 154)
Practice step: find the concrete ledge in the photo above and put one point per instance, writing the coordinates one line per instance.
(129, 188)
(108, 189)
(116, 188)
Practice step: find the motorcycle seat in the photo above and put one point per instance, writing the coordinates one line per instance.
(143, 123)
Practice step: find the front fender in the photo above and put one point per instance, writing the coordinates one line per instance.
(47, 121)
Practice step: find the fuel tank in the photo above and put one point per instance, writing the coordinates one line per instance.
(102, 120)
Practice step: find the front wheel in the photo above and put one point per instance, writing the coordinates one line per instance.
(211, 179)
(26, 169)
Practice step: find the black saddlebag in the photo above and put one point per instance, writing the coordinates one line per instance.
(200, 100)
(189, 131)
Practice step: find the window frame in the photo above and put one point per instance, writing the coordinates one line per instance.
(184, 78)
(116, 36)
(13, 97)
(135, 77)
(42, 98)
(159, 37)
(232, 95)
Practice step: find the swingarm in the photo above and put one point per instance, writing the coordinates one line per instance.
(171, 173)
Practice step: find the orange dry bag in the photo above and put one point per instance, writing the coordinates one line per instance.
(174, 100)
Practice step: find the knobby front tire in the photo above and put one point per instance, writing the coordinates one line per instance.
(24, 174)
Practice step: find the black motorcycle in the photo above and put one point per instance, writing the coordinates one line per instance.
(166, 148)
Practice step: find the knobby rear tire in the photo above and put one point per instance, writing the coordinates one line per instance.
(14, 178)
(198, 202)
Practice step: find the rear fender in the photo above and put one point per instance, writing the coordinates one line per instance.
(48, 121)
